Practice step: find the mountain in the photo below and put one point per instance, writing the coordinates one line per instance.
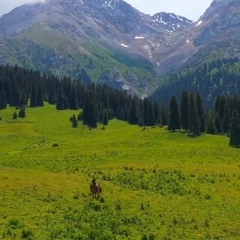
(218, 30)
(213, 63)
(111, 42)
(107, 38)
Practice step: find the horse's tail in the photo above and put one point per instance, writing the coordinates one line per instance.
(100, 189)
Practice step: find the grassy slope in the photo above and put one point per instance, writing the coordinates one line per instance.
(103, 57)
(155, 183)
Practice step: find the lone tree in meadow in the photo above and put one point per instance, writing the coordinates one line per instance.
(74, 121)
(22, 113)
(235, 129)
(174, 116)
(15, 116)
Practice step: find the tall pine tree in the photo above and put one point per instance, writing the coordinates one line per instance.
(174, 116)
(184, 110)
(200, 110)
(193, 119)
(235, 129)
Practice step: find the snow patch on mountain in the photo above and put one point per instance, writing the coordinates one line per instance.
(139, 37)
(124, 45)
(171, 21)
(199, 23)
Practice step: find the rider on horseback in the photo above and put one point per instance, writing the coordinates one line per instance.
(95, 188)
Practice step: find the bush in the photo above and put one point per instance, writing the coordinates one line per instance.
(27, 234)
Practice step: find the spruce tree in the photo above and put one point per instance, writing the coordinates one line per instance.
(211, 128)
(174, 116)
(60, 101)
(22, 113)
(89, 113)
(73, 103)
(80, 116)
(235, 129)
(33, 99)
(156, 113)
(218, 123)
(164, 116)
(40, 101)
(200, 110)
(133, 113)
(184, 111)
(3, 97)
(15, 115)
(74, 121)
(226, 118)
(105, 118)
(150, 115)
(193, 119)
(92, 117)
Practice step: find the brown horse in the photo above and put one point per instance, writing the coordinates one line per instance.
(95, 189)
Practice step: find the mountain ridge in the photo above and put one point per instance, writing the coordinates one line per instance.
(113, 41)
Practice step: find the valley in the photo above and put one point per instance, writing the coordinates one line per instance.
(156, 184)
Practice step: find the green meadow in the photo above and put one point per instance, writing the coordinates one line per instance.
(156, 184)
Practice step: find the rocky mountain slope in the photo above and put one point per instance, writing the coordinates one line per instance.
(171, 21)
(114, 42)
(108, 38)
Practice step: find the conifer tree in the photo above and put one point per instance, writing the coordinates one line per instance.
(74, 121)
(218, 123)
(105, 118)
(211, 129)
(184, 111)
(200, 110)
(3, 97)
(157, 119)
(226, 118)
(92, 117)
(80, 116)
(15, 115)
(89, 113)
(60, 101)
(33, 99)
(174, 116)
(193, 119)
(164, 116)
(73, 103)
(40, 100)
(150, 119)
(22, 113)
(235, 129)
(133, 113)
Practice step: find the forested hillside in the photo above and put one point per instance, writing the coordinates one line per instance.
(211, 79)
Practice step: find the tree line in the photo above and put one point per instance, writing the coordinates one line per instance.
(191, 116)
(99, 103)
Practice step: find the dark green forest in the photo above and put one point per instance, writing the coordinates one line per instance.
(21, 88)
(99, 103)
(210, 80)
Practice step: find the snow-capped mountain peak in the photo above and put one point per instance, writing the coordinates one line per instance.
(171, 21)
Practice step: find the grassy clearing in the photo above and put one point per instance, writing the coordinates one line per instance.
(156, 184)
